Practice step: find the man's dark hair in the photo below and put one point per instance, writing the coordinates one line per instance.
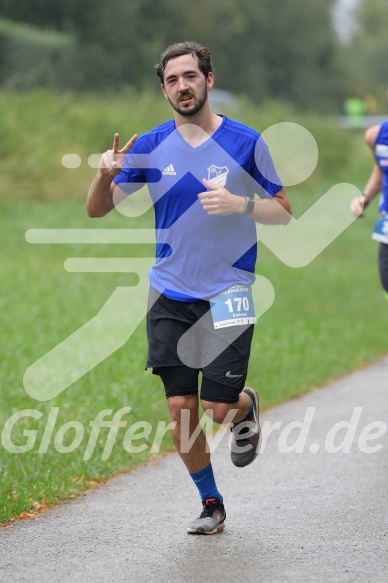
(186, 48)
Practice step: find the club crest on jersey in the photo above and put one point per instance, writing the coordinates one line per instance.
(218, 174)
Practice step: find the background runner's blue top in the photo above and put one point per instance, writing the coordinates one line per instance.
(197, 255)
(381, 154)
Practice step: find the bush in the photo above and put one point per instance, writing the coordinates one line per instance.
(31, 57)
(39, 127)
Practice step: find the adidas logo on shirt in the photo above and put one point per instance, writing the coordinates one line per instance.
(169, 171)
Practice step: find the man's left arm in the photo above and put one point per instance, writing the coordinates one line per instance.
(272, 210)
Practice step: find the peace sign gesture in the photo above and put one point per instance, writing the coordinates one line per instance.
(112, 161)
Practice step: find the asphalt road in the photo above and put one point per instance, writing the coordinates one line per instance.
(314, 515)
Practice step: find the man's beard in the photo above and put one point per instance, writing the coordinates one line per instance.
(192, 110)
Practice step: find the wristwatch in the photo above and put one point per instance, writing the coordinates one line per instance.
(249, 206)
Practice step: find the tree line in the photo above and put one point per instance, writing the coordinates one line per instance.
(266, 50)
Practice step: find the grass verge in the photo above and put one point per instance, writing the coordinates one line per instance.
(325, 321)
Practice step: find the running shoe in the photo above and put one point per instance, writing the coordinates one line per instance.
(246, 435)
(211, 520)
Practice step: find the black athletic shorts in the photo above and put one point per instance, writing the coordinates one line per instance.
(383, 265)
(182, 342)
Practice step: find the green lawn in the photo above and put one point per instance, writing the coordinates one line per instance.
(325, 321)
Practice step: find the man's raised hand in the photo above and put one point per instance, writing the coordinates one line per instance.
(112, 161)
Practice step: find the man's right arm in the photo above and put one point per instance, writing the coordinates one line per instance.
(100, 196)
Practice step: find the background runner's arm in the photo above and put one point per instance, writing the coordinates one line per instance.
(374, 183)
(373, 186)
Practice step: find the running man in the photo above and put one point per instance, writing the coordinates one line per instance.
(377, 139)
(202, 171)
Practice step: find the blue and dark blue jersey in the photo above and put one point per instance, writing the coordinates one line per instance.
(197, 255)
(381, 155)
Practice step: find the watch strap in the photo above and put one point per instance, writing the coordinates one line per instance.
(250, 205)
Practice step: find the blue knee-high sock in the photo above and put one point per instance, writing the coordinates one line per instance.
(205, 482)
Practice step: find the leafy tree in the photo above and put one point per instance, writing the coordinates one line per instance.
(265, 49)
(56, 14)
(366, 55)
(284, 50)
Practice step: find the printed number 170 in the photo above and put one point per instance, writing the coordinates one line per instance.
(244, 302)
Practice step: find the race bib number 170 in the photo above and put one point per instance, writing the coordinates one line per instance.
(233, 307)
